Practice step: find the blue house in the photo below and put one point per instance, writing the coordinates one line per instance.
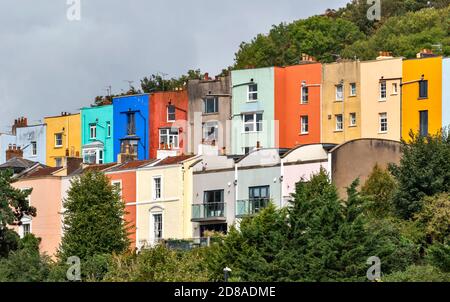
(131, 123)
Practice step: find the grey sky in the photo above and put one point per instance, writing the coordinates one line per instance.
(49, 64)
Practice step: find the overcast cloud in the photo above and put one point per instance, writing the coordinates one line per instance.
(49, 64)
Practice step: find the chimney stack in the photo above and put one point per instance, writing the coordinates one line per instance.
(21, 122)
(307, 58)
(13, 152)
(73, 164)
(207, 78)
(384, 55)
(425, 53)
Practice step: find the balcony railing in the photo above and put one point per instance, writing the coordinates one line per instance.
(208, 211)
(251, 206)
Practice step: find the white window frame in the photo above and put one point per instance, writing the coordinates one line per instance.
(340, 98)
(353, 121)
(383, 121)
(383, 84)
(168, 135)
(152, 226)
(154, 178)
(214, 124)
(26, 220)
(56, 162)
(118, 182)
(90, 151)
(337, 123)
(394, 88)
(174, 113)
(56, 140)
(215, 101)
(108, 129)
(92, 131)
(302, 124)
(353, 90)
(304, 95)
(252, 93)
(34, 148)
(254, 123)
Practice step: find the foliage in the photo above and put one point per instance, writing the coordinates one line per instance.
(158, 264)
(318, 238)
(14, 206)
(25, 264)
(435, 217)
(379, 189)
(156, 82)
(418, 273)
(438, 255)
(93, 222)
(424, 170)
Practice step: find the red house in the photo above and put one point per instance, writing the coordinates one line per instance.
(168, 123)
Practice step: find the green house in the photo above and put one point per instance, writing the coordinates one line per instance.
(97, 134)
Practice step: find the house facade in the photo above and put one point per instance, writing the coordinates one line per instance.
(445, 92)
(422, 96)
(31, 139)
(341, 102)
(381, 98)
(163, 200)
(209, 116)
(63, 138)
(97, 130)
(131, 125)
(168, 123)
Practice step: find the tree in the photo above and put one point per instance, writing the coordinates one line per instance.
(317, 238)
(156, 82)
(424, 170)
(418, 273)
(435, 217)
(93, 222)
(379, 190)
(14, 206)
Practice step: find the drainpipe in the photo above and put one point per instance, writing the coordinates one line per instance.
(236, 187)
(282, 180)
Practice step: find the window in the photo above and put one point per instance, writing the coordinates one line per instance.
(304, 125)
(92, 131)
(33, 148)
(26, 229)
(339, 92)
(352, 119)
(100, 157)
(213, 196)
(58, 140)
(210, 131)
(423, 89)
(89, 156)
(171, 113)
(131, 123)
(129, 146)
(423, 115)
(157, 226)
(353, 89)
(383, 122)
(253, 92)
(259, 197)
(168, 138)
(394, 88)
(253, 122)
(58, 162)
(305, 95)
(211, 105)
(157, 187)
(382, 90)
(339, 122)
(108, 129)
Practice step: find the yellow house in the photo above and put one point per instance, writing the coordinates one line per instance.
(341, 102)
(63, 138)
(380, 95)
(164, 200)
(422, 96)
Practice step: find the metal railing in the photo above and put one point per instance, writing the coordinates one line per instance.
(250, 206)
(207, 211)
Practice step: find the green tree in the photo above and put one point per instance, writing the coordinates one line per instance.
(93, 222)
(424, 170)
(379, 190)
(418, 273)
(156, 82)
(435, 217)
(14, 206)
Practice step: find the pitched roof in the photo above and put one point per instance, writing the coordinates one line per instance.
(42, 172)
(174, 160)
(18, 162)
(94, 167)
(130, 165)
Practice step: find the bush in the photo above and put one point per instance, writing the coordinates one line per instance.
(415, 273)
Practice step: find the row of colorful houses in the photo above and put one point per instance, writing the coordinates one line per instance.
(187, 196)
(274, 107)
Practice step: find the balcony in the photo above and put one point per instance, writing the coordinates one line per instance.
(250, 206)
(212, 211)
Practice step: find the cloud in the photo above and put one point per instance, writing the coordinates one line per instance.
(49, 64)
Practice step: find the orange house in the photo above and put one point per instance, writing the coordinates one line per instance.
(297, 104)
(168, 123)
(124, 176)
